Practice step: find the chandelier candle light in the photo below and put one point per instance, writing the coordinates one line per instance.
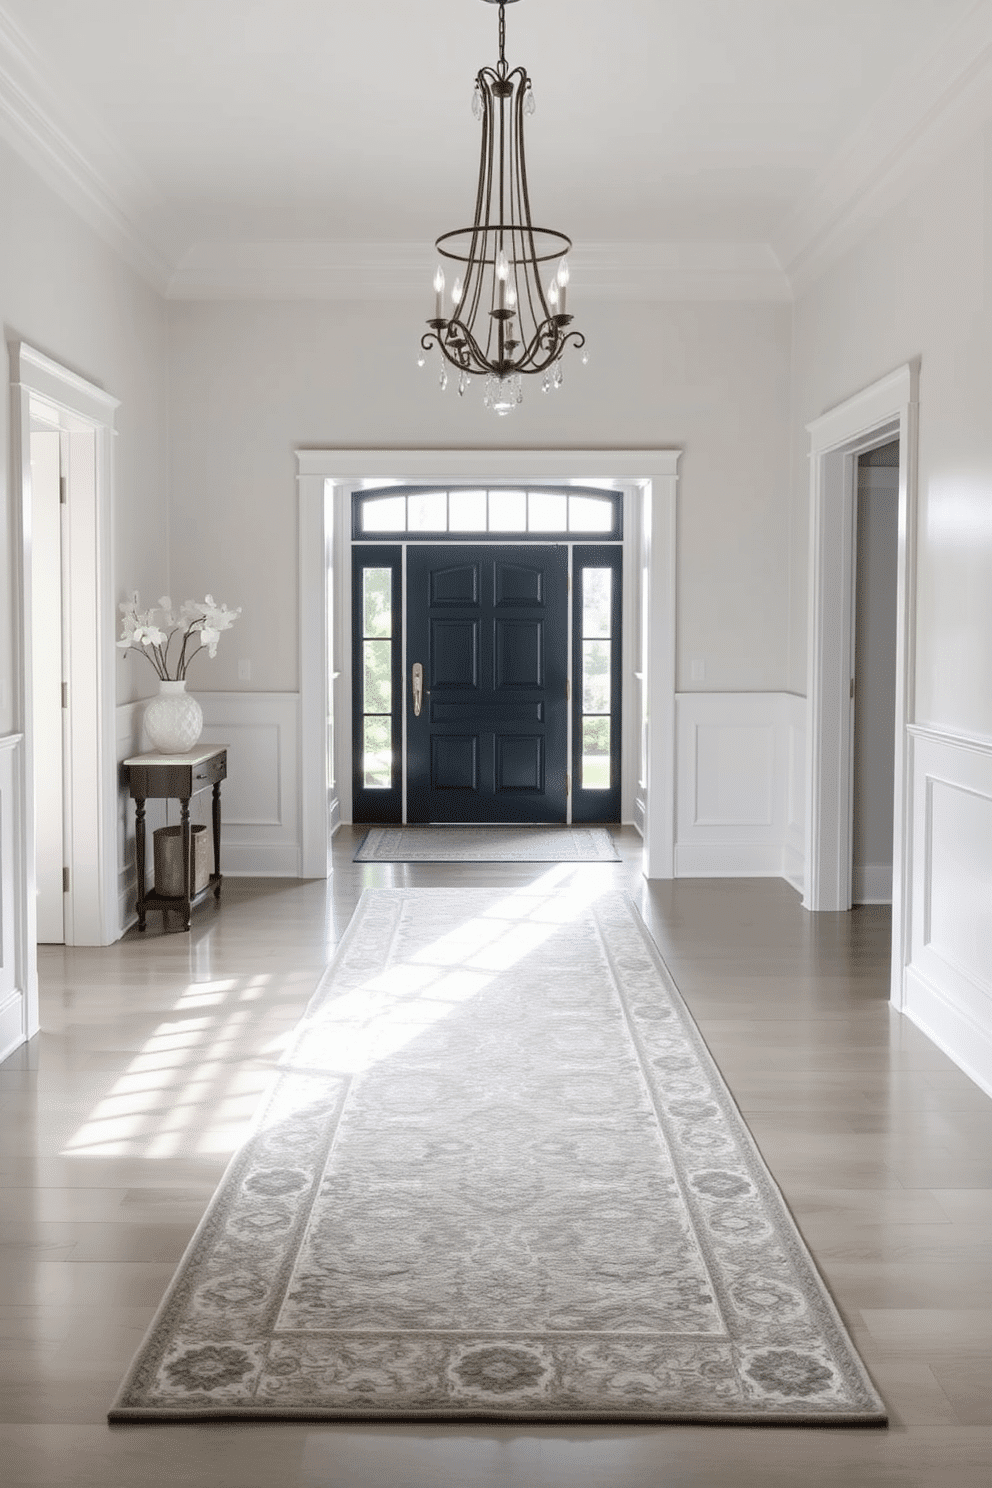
(505, 322)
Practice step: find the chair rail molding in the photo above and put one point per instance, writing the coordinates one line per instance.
(887, 409)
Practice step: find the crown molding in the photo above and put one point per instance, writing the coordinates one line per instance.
(914, 125)
(38, 126)
(402, 271)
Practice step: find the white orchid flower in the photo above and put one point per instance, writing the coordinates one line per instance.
(149, 635)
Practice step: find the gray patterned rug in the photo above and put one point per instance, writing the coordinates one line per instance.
(487, 845)
(498, 1177)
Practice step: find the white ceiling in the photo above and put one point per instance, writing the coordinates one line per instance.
(202, 126)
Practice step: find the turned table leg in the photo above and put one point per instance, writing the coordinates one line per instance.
(187, 856)
(139, 848)
(216, 822)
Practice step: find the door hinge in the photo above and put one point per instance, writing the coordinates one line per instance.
(65, 880)
(568, 690)
(65, 694)
(852, 687)
(63, 490)
(568, 578)
(568, 783)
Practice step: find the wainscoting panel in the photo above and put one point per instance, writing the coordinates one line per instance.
(260, 805)
(948, 989)
(13, 998)
(740, 766)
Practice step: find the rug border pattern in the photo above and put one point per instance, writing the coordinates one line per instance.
(870, 1411)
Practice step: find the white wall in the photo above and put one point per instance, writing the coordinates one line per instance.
(919, 285)
(252, 381)
(66, 293)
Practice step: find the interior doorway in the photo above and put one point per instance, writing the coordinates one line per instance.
(886, 411)
(47, 743)
(63, 452)
(876, 562)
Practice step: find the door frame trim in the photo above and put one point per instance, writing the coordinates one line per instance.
(887, 409)
(90, 759)
(327, 477)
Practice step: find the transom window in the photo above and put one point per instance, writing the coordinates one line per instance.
(496, 511)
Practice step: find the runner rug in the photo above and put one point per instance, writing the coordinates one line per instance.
(498, 1177)
(487, 845)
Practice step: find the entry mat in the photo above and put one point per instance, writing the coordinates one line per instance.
(472, 844)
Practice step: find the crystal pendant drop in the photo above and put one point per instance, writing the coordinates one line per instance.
(442, 381)
(503, 393)
(546, 383)
(462, 384)
(559, 376)
(585, 359)
(529, 103)
(421, 360)
(477, 103)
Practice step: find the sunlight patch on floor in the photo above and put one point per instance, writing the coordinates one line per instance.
(193, 1088)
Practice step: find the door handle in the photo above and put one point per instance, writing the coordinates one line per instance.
(418, 688)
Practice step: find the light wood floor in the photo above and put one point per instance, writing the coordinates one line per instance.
(117, 1122)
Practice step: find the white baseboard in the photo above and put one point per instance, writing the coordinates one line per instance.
(963, 1040)
(12, 1033)
(871, 883)
(728, 860)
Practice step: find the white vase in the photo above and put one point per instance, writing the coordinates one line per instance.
(173, 720)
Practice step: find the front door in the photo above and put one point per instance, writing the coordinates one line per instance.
(488, 625)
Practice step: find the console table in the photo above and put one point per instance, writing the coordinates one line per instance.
(176, 777)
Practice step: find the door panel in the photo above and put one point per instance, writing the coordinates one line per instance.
(489, 625)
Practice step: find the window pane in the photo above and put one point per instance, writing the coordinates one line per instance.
(466, 511)
(595, 754)
(427, 511)
(384, 514)
(597, 592)
(595, 676)
(507, 511)
(377, 756)
(377, 601)
(378, 677)
(590, 514)
(547, 511)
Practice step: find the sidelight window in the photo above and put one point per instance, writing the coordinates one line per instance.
(596, 696)
(376, 587)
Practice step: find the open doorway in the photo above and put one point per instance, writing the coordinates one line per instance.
(885, 412)
(876, 563)
(48, 671)
(63, 448)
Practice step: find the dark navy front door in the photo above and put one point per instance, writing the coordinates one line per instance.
(488, 624)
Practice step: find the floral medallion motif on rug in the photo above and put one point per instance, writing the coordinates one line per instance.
(498, 1177)
(487, 845)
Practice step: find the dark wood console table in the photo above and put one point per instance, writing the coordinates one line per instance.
(176, 777)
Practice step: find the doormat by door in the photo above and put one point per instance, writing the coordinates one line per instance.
(499, 1177)
(471, 844)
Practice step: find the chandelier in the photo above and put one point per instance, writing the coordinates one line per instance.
(506, 320)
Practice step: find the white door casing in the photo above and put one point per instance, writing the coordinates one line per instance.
(889, 409)
(86, 414)
(327, 478)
